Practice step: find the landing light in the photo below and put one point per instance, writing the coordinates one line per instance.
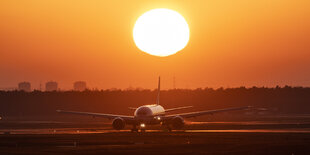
(158, 118)
(142, 125)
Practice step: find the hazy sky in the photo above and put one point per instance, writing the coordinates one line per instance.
(232, 43)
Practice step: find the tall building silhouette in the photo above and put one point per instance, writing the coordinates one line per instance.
(79, 85)
(24, 86)
(51, 86)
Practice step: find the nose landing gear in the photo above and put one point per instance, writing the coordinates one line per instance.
(134, 129)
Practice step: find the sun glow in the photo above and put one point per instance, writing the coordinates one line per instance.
(161, 32)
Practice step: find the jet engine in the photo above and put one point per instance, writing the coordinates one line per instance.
(118, 123)
(177, 122)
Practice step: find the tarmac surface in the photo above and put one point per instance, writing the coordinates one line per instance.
(102, 131)
(197, 138)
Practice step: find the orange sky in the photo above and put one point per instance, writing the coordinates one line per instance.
(232, 43)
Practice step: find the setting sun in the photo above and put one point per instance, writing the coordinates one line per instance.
(161, 32)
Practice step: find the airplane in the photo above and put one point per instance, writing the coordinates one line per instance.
(152, 115)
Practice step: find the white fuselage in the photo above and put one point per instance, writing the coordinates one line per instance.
(148, 111)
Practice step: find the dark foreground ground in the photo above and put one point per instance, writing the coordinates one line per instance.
(157, 143)
(280, 137)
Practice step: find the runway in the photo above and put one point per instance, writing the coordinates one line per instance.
(94, 131)
(196, 138)
(39, 127)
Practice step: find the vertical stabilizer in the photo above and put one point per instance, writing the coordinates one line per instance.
(158, 93)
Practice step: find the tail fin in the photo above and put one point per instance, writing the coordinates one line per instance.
(158, 89)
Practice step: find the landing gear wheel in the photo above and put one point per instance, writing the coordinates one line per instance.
(134, 130)
(168, 128)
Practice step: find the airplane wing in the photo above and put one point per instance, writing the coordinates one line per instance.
(200, 113)
(178, 108)
(108, 116)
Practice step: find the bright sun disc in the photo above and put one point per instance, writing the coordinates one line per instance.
(161, 32)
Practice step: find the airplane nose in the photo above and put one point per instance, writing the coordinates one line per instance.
(143, 111)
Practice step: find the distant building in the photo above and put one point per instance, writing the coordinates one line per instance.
(79, 86)
(25, 86)
(51, 86)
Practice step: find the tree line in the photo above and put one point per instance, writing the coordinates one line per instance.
(284, 100)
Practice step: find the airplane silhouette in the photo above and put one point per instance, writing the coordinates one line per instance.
(152, 115)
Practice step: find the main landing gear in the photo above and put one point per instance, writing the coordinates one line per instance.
(168, 128)
(134, 130)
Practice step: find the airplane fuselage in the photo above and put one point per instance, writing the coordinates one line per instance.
(149, 110)
(149, 114)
